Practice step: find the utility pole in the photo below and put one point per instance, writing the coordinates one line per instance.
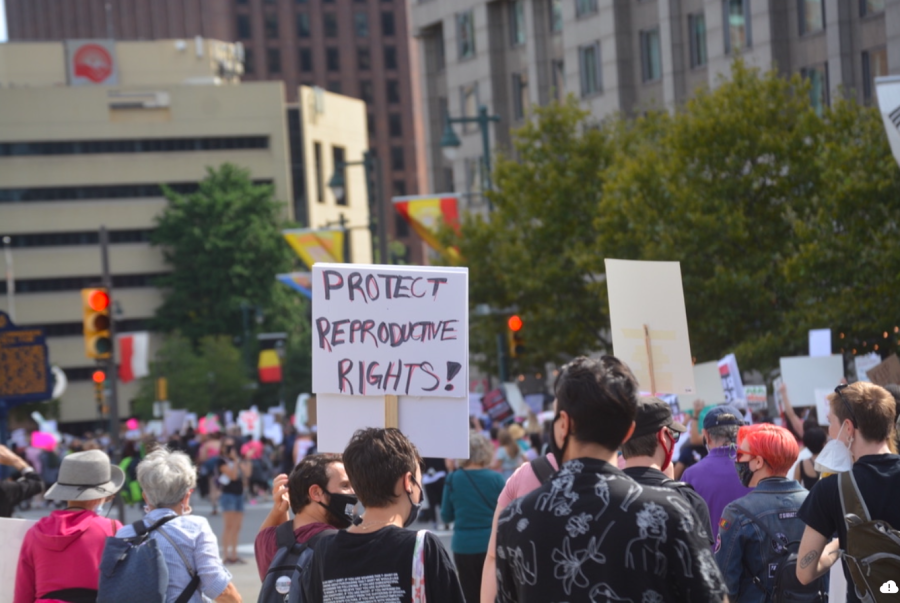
(112, 374)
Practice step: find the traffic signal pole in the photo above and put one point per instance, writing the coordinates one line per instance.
(112, 375)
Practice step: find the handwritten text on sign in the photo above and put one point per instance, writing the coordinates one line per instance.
(389, 330)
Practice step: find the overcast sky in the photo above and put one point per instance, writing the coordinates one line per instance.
(2, 21)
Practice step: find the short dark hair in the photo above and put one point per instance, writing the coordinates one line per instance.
(727, 434)
(375, 459)
(600, 396)
(644, 445)
(814, 438)
(311, 471)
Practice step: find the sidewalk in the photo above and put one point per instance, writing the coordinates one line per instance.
(246, 579)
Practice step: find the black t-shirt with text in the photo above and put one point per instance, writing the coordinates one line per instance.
(377, 568)
(878, 478)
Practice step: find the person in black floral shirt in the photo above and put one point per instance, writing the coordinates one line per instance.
(592, 533)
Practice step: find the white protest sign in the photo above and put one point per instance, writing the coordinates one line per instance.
(707, 384)
(392, 330)
(822, 406)
(888, 91)
(515, 399)
(646, 298)
(250, 423)
(820, 342)
(12, 533)
(757, 396)
(804, 374)
(732, 384)
(864, 363)
(174, 420)
(475, 409)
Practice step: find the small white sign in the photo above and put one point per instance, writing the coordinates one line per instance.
(804, 374)
(757, 396)
(864, 363)
(820, 342)
(732, 384)
(822, 406)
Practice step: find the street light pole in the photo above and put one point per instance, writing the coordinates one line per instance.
(337, 184)
(10, 280)
(450, 142)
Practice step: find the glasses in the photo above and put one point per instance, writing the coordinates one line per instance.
(675, 435)
(838, 390)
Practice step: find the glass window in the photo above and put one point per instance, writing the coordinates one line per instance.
(395, 125)
(273, 60)
(517, 22)
(390, 57)
(868, 7)
(306, 59)
(520, 95)
(559, 80)
(249, 67)
(697, 37)
(401, 226)
(397, 161)
(320, 178)
(469, 102)
(589, 68)
(361, 24)
(332, 59)
(651, 61)
(243, 27)
(302, 1)
(556, 16)
(393, 91)
(330, 22)
(812, 16)
(585, 7)
(737, 25)
(387, 24)
(818, 86)
(337, 159)
(465, 34)
(363, 59)
(874, 65)
(271, 26)
(366, 91)
(302, 25)
(440, 59)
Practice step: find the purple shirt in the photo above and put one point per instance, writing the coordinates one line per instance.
(716, 480)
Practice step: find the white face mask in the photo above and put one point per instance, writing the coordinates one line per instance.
(835, 456)
(99, 509)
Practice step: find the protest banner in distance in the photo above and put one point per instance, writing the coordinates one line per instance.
(732, 384)
(864, 363)
(820, 342)
(381, 332)
(707, 387)
(649, 324)
(804, 374)
(757, 396)
(886, 372)
(496, 407)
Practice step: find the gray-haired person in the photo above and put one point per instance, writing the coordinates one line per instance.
(168, 479)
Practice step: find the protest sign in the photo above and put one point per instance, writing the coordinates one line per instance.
(820, 342)
(708, 386)
(475, 408)
(864, 363)
(250, 423)
(496, 407)
(804, 374)
(886, 372)
(649, 324)
(757, 396)
(732, 384)
(822, 407)
(12, 533)
(515, 399)
(535, 402)
(390, 348)
(174, 421)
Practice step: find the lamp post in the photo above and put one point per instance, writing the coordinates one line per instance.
(450, 142)
(338, 186)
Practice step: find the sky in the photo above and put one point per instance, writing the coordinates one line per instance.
(2, 21)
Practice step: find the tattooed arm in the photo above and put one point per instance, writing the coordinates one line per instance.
(816, 555)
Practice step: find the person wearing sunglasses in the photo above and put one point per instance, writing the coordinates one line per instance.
(861, 426)
(648, 457)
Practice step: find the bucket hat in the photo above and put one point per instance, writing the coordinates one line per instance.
(86, 475)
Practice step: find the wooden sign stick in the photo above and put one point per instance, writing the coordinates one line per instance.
(391, 412)
(650, 360)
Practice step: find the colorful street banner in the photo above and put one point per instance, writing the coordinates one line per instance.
(425, 213)
(322, 245)
(298, 281)
(271, 350)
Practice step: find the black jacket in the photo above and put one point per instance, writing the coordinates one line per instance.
(14, 492)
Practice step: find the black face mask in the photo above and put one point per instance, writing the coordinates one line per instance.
(414, 508)
(744, 472)
(555, 448)
(340, 509)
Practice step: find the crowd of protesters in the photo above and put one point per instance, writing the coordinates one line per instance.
(612, 498)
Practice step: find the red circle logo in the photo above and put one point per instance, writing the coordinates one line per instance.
(93, 62)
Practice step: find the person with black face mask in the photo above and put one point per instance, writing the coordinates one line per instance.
(321, 498)
(377, 556)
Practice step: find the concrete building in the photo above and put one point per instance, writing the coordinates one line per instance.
(359, 48)
(73, 157)
(627, 56)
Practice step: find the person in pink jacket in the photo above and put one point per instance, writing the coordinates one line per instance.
(60, 555)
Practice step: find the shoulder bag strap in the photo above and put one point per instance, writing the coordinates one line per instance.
(284, 535)
(753, 519)
(851, 499)
(542, 468)
(418, 568)
(474, 485)
(188, 591)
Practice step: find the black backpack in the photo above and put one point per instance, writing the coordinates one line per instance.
(283, 579)
(782, 566)
(542, 468)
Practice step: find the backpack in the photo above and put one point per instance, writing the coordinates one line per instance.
(291, 562)
(134, 570)
(543, 469)
(872, 548)
(782, 564)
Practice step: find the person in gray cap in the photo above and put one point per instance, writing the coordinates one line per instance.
(60, 555)
(648, 454)
(714, 477)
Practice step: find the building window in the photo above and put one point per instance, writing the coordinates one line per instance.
(397, 162)
(390, 57)
(559, 80)
(651, 61)
(395, 125)
(520, 95)
(337, 160)
(589, 68)
(387, 24)
(273, 60)
(305, 59)
(302, 25)
(585, 7)
(517, 22)
(132, 145)
(812, 16)
(870, 7)
(737, 25)
(248, 61)
(332, 59)
(302, 1)
(439, 56)
(556, 16)
(874, 64)
(271, 26)
(393, 91)
(320, 179)
(363, 59)
(329, 21)
(469, 102)
(449, 185)
(818, 86)
(335, 86)
(401, 227)
(465, 34)
(370, 124)
(366, 91)
(361, 24)
(243, 27)
(697, 38)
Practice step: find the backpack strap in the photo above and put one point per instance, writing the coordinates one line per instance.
(754, 520)
(284, 535)
(418, 568)
(851, 498)
(542, 468)
(188, 591)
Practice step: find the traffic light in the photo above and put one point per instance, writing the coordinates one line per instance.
(96, 318)
(99, 379)
(516, 342)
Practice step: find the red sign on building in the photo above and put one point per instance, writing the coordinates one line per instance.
(91, 62)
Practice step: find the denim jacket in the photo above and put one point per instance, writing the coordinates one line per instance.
(742, 550)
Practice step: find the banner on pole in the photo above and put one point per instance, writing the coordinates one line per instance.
(317, 245)
(425, 213)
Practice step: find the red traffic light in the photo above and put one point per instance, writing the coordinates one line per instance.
(98, 376)
(514, 323)
(98, 300)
